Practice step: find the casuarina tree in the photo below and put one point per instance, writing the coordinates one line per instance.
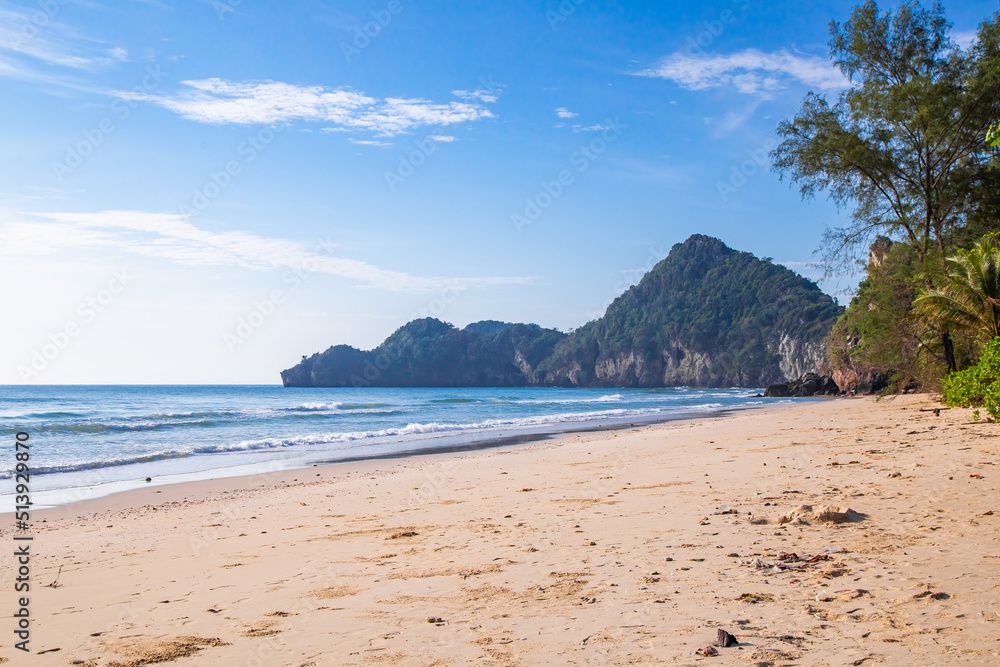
(902, 147)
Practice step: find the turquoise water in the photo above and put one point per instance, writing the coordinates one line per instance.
(87, 436)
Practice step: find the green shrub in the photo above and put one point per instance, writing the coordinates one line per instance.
(979, 385)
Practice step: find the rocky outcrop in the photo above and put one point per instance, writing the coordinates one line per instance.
(799, 356)
(861, 382)
(810, 384)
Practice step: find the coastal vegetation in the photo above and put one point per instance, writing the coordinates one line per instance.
(910, 148)
(979, 385)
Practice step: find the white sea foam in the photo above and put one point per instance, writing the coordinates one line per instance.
(309, 407)
(610, 398)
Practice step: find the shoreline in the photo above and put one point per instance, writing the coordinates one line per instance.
(449, 444)
(179, 491)
(630, 546)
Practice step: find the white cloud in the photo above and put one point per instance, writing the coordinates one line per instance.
(751, 72)
(370, 142)
(268, 102)
(173, 237)
(965, 38)
(442, 138)
(563, 112)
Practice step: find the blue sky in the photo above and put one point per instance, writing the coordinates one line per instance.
(203, 191)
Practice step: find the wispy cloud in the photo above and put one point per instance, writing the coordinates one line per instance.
(965, 38)
(119, 54)
(173, 237)
(563, 112)
(268, 102)
(370, 142)
(751, 72)
(733, 118)
(37, 37)
(16, 195)
(488, 95)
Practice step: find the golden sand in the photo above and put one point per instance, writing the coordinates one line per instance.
(609, 548)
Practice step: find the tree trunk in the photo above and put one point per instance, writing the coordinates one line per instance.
(949, 351)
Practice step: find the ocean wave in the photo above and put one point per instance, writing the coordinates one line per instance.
(187, 415)
(317, 407)
(291, 426)
(70, 422)
(373, 437)
(95, 464)
(328, 415)
(98, 427)
(443, 428)
(310, 407)
(148, 457)
(610, 398)
(53, 415)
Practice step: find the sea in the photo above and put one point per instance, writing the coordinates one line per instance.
(91, 441)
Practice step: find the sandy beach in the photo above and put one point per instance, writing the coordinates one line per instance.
(610, 548)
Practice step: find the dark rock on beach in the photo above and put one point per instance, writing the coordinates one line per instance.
(810, 384)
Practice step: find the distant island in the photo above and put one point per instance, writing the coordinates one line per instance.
(706, 316)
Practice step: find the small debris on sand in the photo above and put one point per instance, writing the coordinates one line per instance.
(405, 533)
(806, 515)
